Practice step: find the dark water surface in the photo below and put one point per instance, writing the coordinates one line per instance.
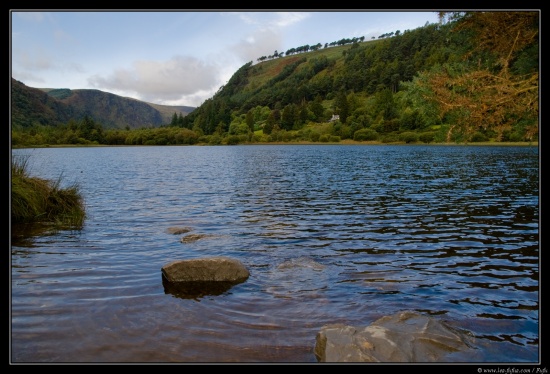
(330, 234)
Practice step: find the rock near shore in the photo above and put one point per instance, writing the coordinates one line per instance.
(195, 278)
(210, 269)
(404, 337)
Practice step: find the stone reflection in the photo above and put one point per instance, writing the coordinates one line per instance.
(196, 289)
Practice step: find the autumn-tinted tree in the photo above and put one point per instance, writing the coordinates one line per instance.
(489, 92)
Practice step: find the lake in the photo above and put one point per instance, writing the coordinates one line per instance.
(330, 234)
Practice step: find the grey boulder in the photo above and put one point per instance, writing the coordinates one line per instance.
(404, 337)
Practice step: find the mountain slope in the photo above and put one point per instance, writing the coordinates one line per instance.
(32, 106)
(53, 107)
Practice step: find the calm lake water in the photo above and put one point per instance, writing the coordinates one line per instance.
(330, 234)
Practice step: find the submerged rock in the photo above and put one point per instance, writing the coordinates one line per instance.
(178, 230)
(301, 262)
(404, 337)
(192, 238)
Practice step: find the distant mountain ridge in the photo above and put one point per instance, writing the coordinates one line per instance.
(55, 106)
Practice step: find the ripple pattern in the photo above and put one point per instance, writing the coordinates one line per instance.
(329, 233)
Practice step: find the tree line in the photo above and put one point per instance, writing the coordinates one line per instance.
(471, 78)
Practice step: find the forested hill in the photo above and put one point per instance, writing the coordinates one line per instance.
(53, 107)
(472, 77)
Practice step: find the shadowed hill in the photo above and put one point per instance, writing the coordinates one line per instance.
(51, 107)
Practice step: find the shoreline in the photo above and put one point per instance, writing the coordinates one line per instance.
(344, 142)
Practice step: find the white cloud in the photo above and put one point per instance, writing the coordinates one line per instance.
(262, 43)
(163, 81)
(289, 18)
(247, 18)
(35, 60)
(268, 36)
(26, 76)
(40, 60)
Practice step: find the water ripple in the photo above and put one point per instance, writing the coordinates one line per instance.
(329, 233)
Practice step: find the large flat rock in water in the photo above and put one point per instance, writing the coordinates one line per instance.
(404, 337)
(209, 269)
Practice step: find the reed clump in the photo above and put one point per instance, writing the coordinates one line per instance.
(36, 200)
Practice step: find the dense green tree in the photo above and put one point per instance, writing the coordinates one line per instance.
(261, 113)
(303, 113)
(270, 123)
(411, 119)
(277, 113)
(385, 105)
(288, 117)
(341, 106)
(250, 120)
(316, 107)
(175, 121)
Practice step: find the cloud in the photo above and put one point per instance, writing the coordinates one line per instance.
(261, 43)
(249, 18)
(163, 81)
(184, 80)
(271, 19)
(25, 76)
(34, 61)
(40, 60)
(285, 19)
(268, 35)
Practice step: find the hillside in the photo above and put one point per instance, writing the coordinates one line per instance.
(462, 80)
(33, 106)
(167, 111)
(52, 107)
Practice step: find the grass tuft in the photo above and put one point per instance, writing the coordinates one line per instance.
(36, 200)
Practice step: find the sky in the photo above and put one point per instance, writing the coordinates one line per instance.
(174, 57)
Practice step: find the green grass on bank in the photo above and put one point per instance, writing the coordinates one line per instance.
(36, 200)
